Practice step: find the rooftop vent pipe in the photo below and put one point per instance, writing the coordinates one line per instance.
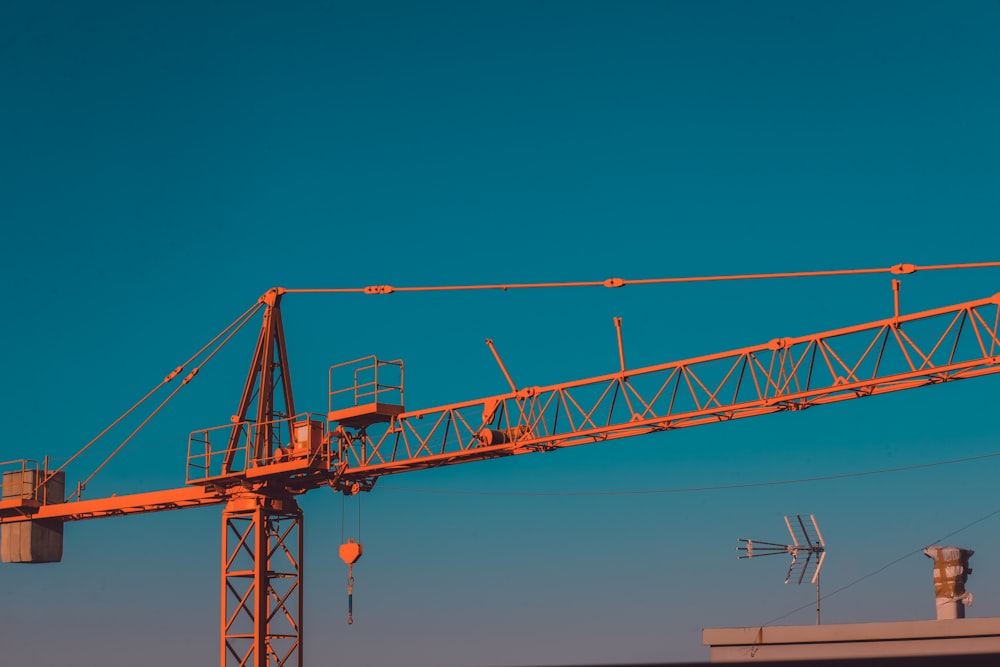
(951, 569)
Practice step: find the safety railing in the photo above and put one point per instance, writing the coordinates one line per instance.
(365, 381)
(20, 479)
(25, 485)
(234, 449)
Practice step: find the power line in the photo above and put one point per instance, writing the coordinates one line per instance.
(888, 565)
(692, 489)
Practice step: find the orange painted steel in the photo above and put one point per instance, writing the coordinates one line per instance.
(261, 621)
(268, 378)
(786, 374)
(135, 503)
(897, 269)
(366, 441)
(204, 354)
(268, 454)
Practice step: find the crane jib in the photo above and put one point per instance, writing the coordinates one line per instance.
(374, 435)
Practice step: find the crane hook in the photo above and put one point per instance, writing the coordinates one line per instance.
(350, 552)
(350, 594)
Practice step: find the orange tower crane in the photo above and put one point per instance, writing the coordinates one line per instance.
(269, 454)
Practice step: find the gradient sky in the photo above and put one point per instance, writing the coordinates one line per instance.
(164, 164)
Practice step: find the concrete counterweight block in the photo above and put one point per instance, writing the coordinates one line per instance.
(39, 541)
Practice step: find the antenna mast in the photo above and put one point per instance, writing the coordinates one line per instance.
(803, 541)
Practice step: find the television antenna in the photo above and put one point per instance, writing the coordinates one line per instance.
(803, 541)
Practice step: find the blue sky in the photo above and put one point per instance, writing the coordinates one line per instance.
(165, 164)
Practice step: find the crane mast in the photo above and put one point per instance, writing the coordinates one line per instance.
(267, 455)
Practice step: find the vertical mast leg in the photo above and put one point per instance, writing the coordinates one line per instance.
(261, 607)
(817, 599)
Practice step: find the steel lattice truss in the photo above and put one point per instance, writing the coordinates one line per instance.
(261, 585)
(897, 353)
